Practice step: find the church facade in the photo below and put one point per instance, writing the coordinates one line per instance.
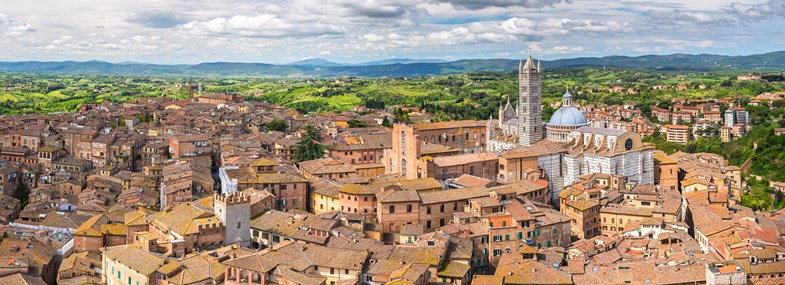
(566, 147)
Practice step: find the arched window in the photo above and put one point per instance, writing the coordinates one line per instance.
(628, 144)
(403, 143)
(403, 167)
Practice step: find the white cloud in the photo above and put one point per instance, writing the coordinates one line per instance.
(482, 4)
(9, 27)
(263, 25)
(360, 30)
(757, 12)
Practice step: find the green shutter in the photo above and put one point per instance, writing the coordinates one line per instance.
(506, 237)
(538, 232)
(520, 235)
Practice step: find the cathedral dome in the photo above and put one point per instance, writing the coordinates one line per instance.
(567, 115)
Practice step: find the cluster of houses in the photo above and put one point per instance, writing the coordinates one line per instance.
(160, 191)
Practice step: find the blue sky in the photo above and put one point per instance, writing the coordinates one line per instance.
(193, 31)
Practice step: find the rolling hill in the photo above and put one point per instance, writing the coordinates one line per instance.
(774, 61)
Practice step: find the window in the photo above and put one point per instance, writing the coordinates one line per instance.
(239, 224)
(403, 143)
(506, 237)
(455, 206)
(428, 210)
(408, 208)
(347, 271)
(441, 222)
(332, 270)
(441, 208)
(628, 144)
(428, 224)
(392, 209)
(129, 280)
(504, 223)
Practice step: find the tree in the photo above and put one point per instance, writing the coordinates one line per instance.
(308, 148)
(357, 124)
(312, 132)
(277, 125)
(23, 194)
(386, 122)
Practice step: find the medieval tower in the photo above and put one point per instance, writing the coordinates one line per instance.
(529, 107)
(234, 210)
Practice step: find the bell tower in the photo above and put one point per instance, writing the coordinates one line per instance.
(529, 106)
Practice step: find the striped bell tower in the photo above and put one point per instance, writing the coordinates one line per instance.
(529, 103)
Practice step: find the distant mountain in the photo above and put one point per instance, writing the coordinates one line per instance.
(315, 62)
(401, 61)
(774, 61)
(128, 62)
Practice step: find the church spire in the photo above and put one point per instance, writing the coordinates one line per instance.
(529, 64)
(520, 66)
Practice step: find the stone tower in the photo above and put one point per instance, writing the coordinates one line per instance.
(234, 210)
(529, 106)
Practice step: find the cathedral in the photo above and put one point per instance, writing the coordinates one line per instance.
(565, 148)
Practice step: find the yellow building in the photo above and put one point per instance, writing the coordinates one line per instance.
(128, 264)
(324, 195)
(695, 185)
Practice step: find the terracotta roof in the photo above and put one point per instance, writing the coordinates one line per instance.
(461, 159)
(141, 261)
(454, 269)
(449, 125)
(540, 148)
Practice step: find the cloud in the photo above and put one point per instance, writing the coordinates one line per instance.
(513, 30)
(156, 19)
(564, 49)
(482, 4)
(9, 27)
(363, 30)
(263, 25)
(758, 12)
(677, 16)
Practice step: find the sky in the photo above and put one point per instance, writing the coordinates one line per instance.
(351, 31)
